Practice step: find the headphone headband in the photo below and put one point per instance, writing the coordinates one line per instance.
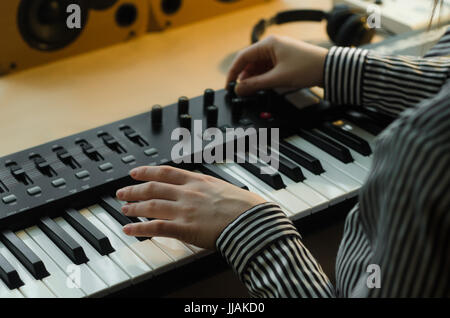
(286, 17)
(299, 15)
(338, 16)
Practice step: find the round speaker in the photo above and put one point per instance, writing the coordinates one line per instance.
(126, 15)
(43, 23)
(171, 6)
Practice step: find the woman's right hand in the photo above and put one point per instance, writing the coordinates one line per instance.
(278, 62)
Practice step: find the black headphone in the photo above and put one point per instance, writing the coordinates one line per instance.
(346, 26)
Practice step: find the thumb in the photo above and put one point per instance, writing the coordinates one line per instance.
(256, 83)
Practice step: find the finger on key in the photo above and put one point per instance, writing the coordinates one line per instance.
(148, 191)
(165, 174)
(153, 209)
(154, 228)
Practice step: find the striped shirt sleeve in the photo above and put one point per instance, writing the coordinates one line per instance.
(354, 76)
(442, 48)
(405, 204)
(265, 250)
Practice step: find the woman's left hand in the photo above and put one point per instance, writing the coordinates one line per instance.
(187, 206)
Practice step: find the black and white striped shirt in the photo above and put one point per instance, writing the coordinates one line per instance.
(402, 221)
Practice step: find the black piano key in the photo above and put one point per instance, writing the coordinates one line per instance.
(9, 275)
(363, 121)
(87, 230)
(114, 208)
(347, 138)
(382, 118)
(216, 172)
(291, 170)
(63, 240)
(24, 254)
(272, 179)
(302, 158)
(326, 144)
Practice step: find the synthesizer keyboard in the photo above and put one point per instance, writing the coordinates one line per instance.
(61, 226)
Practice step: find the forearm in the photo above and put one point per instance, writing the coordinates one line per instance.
(391, 83)
(265, 250)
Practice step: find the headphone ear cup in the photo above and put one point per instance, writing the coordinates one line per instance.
(365, 34)
(351, 32)
(336, 19)
(348, 28)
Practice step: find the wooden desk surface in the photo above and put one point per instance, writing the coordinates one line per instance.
(83, 92)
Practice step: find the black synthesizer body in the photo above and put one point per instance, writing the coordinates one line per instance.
(60, 222)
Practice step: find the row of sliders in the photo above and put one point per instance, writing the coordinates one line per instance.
(85, 253)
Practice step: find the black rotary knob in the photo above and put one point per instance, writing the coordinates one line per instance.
(157, 115)
(212, 115)
(186, 121)
(231, 90)
(237, 107)
(239, 102)
(183, 105)
(208, 97)
(263, 100)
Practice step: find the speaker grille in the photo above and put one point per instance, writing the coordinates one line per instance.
(43, 23)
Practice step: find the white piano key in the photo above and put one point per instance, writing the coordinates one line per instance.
(297, 207)
(151, 254)
(327, 187)
(174, 248)
(123, 256)
(364, 162)
(120, 201)
(336, 176)
(103, 266)
(33, 288)
(197, 250)
(317, 201)
(56, 282)
(351, 169)
(5, 292)
(90, 283)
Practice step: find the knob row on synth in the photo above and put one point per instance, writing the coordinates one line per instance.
(262, 99)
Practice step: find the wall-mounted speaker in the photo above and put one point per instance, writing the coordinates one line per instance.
(173, 13)
(34, 32)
